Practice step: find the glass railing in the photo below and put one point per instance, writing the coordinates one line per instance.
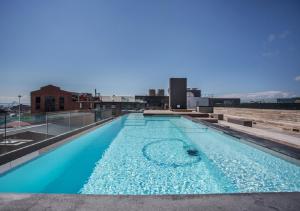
(17, 132)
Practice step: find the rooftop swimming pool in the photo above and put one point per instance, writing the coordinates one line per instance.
(153, 155)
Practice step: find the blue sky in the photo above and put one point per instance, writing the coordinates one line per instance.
(226, 48)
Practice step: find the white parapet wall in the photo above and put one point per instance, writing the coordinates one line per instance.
(286, 119)
(193, 102)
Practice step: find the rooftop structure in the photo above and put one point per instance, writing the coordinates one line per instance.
(289, 100)
(52, 98)
(177, 92)
(120, 103)
(160, 92)
(152, 92)
(193, 92)
(193, 97)
(154, 102)
(115, 98)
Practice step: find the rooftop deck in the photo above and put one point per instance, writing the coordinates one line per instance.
(222, 202)
(243, 201)
(272, 135)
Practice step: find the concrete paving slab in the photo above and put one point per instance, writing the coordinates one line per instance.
(279, 137)
(222, 202)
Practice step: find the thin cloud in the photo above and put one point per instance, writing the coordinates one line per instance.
(274, 36)
(14, 99)
(259, 95)
(272, 39)
(284, 34)
(271, 53)
(297, 78)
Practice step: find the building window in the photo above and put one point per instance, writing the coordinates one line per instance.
(37, 103)
(75, 97)
(61, 103)
(49, 103)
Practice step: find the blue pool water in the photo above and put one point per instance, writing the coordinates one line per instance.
(153, 155)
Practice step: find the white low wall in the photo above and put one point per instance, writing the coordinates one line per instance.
(288, 119)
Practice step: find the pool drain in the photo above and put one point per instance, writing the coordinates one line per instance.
(192, 152)
(171, 153)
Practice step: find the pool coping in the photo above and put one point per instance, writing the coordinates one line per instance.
(19, 156)
(285, 201)
(280, 149)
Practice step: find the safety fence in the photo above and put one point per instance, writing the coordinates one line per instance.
(19, 131)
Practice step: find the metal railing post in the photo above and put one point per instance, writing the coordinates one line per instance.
(82, 120)
(46, 125)
(5, 127)
(69, 120)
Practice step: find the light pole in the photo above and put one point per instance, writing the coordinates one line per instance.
(19, 96)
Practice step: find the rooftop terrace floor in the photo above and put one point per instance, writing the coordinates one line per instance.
(264, 133)
(222, 202)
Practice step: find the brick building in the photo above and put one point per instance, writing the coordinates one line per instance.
(51, 98)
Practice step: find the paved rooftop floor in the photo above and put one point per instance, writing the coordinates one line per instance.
(272, 135)
(222, 202)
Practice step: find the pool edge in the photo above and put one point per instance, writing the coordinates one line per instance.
(288, 201)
